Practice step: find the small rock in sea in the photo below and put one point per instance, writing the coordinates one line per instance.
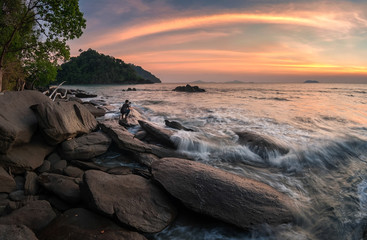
(188, 88)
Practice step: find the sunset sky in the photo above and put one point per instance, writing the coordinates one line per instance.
(225, 40)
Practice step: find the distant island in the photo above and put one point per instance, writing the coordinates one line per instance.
(228, 82)
(311, 81)
(91, 67)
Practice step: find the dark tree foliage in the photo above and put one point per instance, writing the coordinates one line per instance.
(145, 74)
(91, 67)
(33, 35)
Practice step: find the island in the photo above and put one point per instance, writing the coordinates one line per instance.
(311, 81)
(91, 67)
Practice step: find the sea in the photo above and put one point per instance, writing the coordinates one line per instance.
(323, 125)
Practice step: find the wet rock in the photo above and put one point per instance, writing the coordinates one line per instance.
(26, 157)
(263, 146)
(8, 184)
(95, 111)
(134, 200)
(161, 134)
(16, 232)
(79, 223)
(18, 123)
(85, 147)
(73, 172)
(59, 121)
(140, 135)
(237, 200)
(31, 184)
(123, 138)
(35, 215)
(67, 188)
(176, 125)
(188, 88)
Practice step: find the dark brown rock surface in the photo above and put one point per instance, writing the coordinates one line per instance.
(7, 182)
(18, 123)
(163, 135)
(36, 215)
(59, 121)
(16, 232)
(85, 147)
(222, 195)
(134, 200)
(81, 224)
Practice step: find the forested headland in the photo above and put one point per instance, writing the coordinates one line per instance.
(91, 67)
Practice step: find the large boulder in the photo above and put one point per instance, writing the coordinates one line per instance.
(161, 134)
(36, 215)
(16, 232)
(79, 223)
(67, 188)
(222, 195)
(7, 182)
(18, 123)
(264, 146)
(59, 121)
(85, 147)
(123, 138)
(134, 200)
(28, 156)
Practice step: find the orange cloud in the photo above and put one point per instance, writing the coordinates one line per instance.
(316, 20)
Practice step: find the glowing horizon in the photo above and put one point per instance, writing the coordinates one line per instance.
(273, 39)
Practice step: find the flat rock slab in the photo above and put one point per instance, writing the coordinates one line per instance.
(16, 232)
(161, 134)
(134, 200)
(18, 123)
(7, 182)
(86, 147)
(123, 138)
(67, 188)
(36, 215)
(28, 156)
(240, 201)
(59, 121)
(81, 224)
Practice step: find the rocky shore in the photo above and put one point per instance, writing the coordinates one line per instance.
(55, 185)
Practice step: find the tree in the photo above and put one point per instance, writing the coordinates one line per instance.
(34, 32)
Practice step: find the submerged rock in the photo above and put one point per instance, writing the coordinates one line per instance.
(18, 122)
(79, 223)
(59, 121)
(134, 200)
(263, 146)
(85, 147)
(237, 200)
(176, 125)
